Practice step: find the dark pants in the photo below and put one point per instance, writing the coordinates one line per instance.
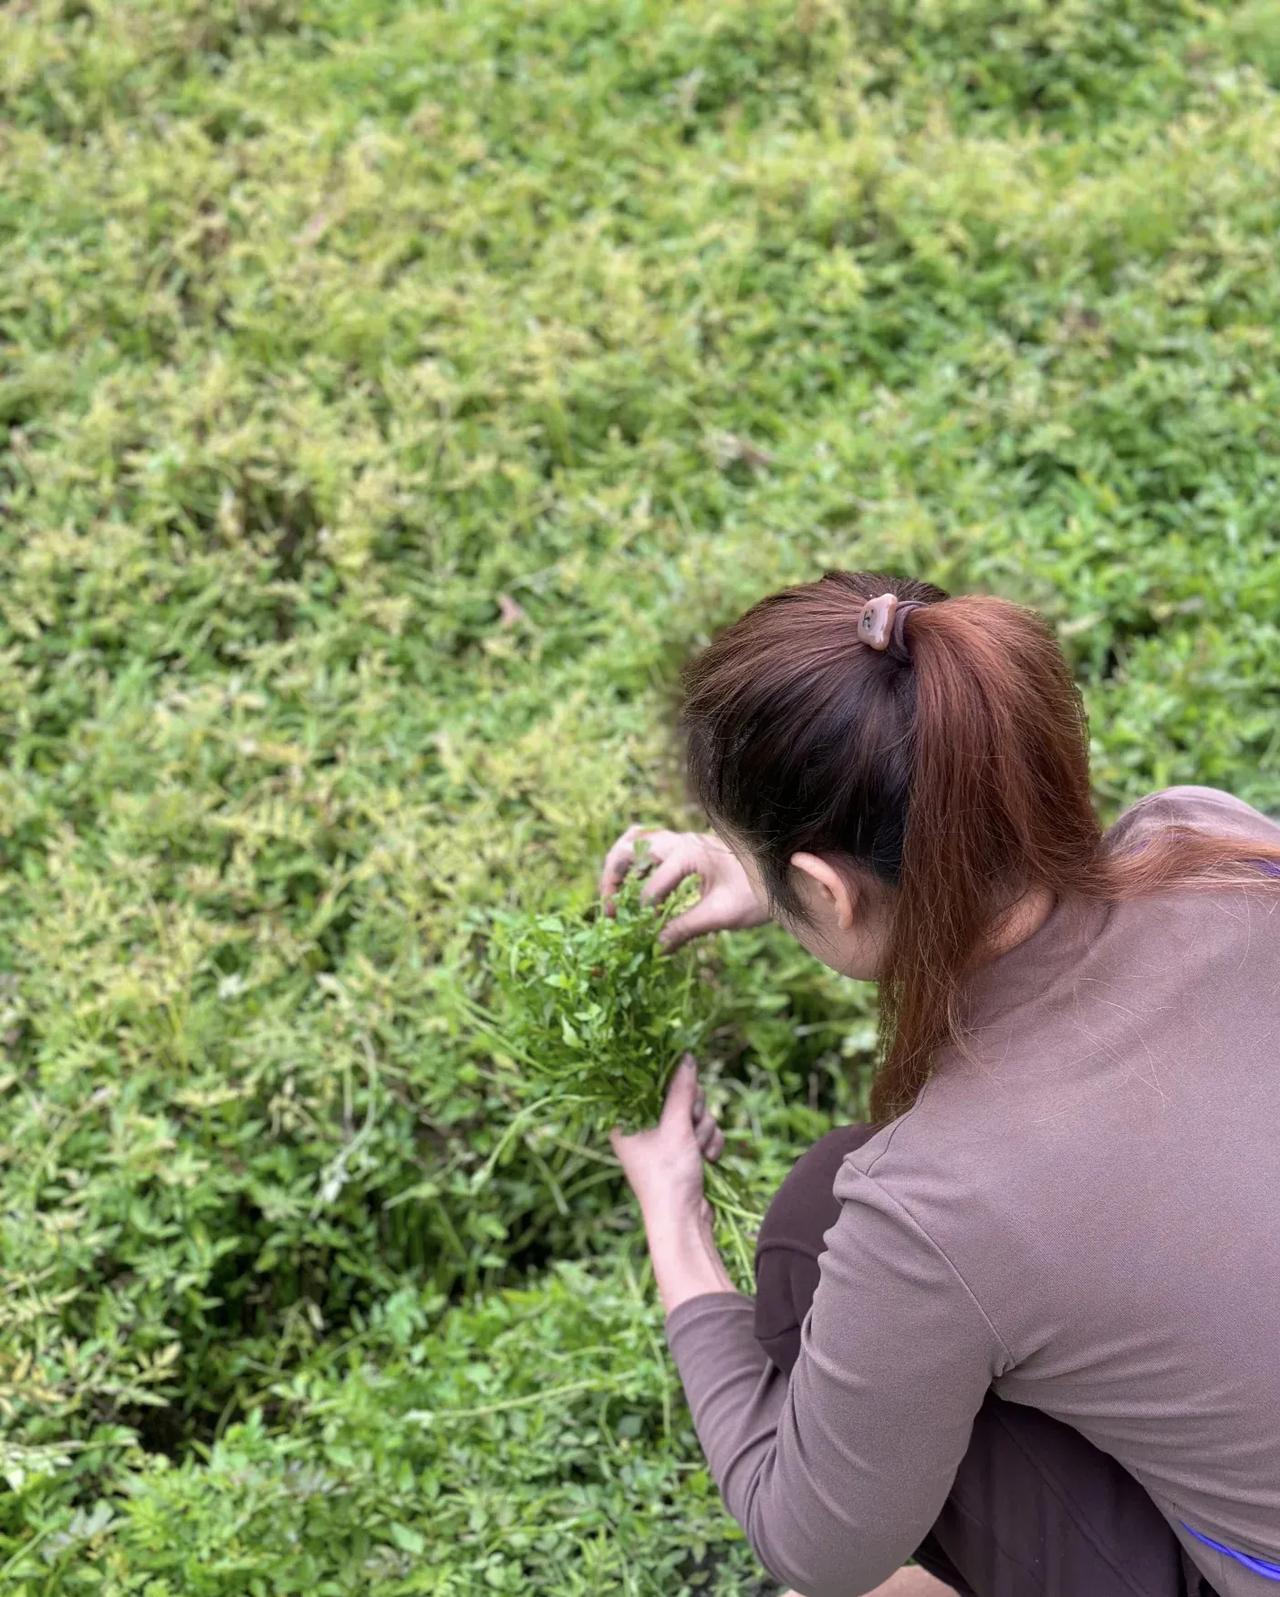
(1035, 1510)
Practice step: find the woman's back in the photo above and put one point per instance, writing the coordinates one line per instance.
(1081, 1216)
(1105, 1176)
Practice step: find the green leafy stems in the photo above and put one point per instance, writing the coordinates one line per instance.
(594, 1013)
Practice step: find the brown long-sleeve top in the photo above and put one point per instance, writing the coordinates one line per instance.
(1084, 1217)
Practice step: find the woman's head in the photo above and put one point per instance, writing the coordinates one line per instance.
(906, 798)
(899, 804)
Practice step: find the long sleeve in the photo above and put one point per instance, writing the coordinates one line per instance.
(838, 1474)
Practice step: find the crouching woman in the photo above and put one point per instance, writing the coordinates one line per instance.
(1025, 1328)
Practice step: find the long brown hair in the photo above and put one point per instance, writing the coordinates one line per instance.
(956, 774)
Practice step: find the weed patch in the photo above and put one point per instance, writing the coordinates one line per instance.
(392, 395)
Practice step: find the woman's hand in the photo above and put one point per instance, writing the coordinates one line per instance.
(664, 1167)
(729, 901)
(664, 1164)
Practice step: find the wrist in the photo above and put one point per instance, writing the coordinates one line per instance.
(686, 1260)
(667, 1218)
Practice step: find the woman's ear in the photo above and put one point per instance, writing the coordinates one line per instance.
(831, 890)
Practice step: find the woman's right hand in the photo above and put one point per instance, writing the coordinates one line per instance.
(729, 901)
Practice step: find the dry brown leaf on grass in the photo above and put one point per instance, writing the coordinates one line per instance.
(731, 449)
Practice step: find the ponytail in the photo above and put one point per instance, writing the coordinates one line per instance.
(952, 768)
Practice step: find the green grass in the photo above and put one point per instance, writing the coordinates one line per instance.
(394, 395)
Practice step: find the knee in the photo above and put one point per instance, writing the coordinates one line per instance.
(791, 1240)
(805, 1207)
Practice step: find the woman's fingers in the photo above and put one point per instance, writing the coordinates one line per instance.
(710, 1140)
(668, 873)
(706, 1130)
(623, 857)
(707, 915)
(677, 1111)
(619, 860)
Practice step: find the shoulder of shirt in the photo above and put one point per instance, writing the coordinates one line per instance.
(954, 1130)
(958, 1139)
(916, 1140)
(1207, 807)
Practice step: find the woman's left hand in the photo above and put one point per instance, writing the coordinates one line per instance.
(664, 1167)
(664, 1164)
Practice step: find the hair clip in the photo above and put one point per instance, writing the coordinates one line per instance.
(875, 625)
(882, 622)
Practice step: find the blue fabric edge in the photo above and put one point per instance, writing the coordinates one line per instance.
(1259, 1566)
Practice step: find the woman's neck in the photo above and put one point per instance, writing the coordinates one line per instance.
(1022, 921)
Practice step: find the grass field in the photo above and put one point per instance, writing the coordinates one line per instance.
(394, 395)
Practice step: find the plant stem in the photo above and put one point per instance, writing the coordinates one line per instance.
(725, 1197)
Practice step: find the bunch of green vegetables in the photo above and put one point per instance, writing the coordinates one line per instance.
(596, 1014)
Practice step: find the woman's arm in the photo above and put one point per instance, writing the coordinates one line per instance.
(686, 1261)
(837, 1474)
